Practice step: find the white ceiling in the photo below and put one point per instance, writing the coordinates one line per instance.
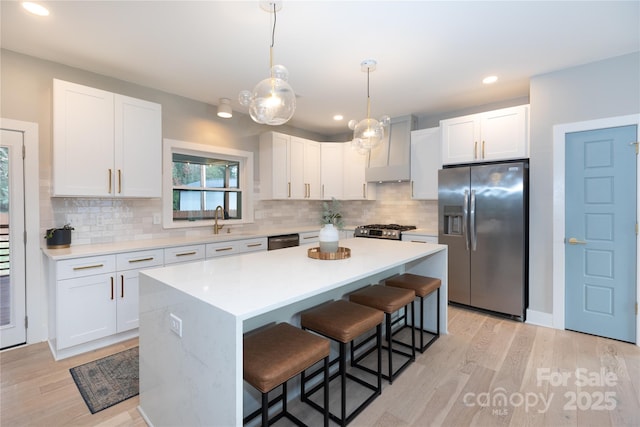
(431, 55)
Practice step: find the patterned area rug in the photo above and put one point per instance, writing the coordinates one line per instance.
(107, 381)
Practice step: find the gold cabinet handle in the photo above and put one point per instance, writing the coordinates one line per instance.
(119, 181)
(254, 245)
(111, 287)
(121, 286)
(131, 261)
(574, 241)
(289, 189)
(322, 196)
(310, 237)
(475, 150)
(86, 267)
(224, 249)
(412, 189)
(186, 253)
(110, 181)
(364, 191)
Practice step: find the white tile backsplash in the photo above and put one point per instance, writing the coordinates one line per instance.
(114, 220)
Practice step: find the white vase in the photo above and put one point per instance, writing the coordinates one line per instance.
(329, 238)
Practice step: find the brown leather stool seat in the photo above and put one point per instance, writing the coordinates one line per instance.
(389, 300)
(423, 286)
(274, 355)
(344, 321)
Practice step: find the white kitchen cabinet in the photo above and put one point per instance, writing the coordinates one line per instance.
(252, 245)
(97, 297)
(309, 237)
(105, 144)
(494, 135)
(182, 254)
(331, 170)
(355, 185)
(128, 267)
(289, 167)
(419, 238)
(426, 160)
(86, 309)
(390, 161)
(235, 247)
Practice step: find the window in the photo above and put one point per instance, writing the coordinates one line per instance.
(204, 178)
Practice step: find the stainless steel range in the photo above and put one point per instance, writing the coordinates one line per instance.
(382, 231)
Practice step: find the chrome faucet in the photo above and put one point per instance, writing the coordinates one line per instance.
(216, 227)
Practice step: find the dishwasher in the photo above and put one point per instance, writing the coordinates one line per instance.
(283, 241)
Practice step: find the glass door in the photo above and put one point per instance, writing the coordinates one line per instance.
(12, 247)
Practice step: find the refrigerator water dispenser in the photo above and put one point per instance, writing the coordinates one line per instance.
(453, 225)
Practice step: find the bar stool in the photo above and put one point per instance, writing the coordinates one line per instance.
(275, 354)
(344, 321)
(423, 287)
(389, 300)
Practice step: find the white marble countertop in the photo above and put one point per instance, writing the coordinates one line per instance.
(75, 251)
(250, 284)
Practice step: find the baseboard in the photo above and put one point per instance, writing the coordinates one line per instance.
(539, 318)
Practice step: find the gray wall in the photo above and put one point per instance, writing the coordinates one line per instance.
(597, 90)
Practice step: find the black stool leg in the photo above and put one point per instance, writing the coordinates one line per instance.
(326, 391)
(387, 318)
(343, 379)
(265, 409)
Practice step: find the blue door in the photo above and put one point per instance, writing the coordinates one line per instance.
(600, 236)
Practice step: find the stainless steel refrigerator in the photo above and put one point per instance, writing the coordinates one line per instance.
(483, 218)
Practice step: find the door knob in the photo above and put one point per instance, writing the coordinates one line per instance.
(574, 241)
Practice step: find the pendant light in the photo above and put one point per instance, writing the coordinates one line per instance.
(272, 101)
(368, 133)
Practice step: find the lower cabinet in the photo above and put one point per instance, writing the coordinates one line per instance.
(235, 247)
(96, 298)
(86, 309)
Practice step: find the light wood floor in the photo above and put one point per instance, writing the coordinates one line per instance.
(458, 382)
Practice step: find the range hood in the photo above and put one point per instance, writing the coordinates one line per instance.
(391, 160)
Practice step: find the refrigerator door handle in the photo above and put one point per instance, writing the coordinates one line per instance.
(472, 221)
(465, 217)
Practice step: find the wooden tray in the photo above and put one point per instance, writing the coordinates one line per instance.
(343, 253)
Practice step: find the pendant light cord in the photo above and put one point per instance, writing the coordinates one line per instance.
(273, 38)
(368, 97)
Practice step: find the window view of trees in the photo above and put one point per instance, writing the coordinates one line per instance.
(201, 184)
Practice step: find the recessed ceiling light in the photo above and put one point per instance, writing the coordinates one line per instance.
(490, 79)
(35, 8)
(338, 117)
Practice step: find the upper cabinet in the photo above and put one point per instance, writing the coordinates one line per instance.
(355, 185)
(105, 144)
(390, 161)
(331, 165)
(289, 167)
(425, 162)
(494, 135)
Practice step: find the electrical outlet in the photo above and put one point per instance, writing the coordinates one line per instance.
(157, 219)
(175, 324)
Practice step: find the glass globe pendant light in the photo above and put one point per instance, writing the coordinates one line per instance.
(368, 133)
(272, 101)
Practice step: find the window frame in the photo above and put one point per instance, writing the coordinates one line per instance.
(245, 179)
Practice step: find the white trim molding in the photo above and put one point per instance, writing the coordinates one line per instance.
(559, 132)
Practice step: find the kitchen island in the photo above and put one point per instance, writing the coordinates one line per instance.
(192, 375)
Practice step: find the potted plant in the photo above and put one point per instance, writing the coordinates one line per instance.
(59, 237)
(331, 218)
